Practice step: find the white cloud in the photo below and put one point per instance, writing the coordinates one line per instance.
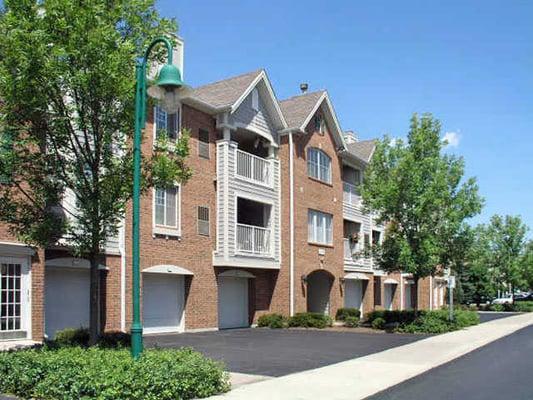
(452, 138)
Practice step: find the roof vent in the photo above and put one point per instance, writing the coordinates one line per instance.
(303, 87)
(350, 137)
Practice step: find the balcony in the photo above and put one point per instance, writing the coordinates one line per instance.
(253, 168)
(352, 194)
(350, 250)
(253, 240)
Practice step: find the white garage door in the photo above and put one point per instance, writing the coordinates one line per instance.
(354, 294)
(66, 299)
(163, 303)
(232, 302)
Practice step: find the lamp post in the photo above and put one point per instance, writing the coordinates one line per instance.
(166, 86)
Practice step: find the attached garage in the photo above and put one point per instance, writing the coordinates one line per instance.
(164, 299)
(354, 290)
(233, 299)
(66, 300)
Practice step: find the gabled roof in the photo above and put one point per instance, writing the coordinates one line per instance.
(297, 109)
(362, 149)
(300, 109)
(227, 95)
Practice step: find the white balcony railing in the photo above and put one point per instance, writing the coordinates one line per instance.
(253, 239)
(352, 194)
(253, 168)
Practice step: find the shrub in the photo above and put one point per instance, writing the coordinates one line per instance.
(72, 373)
(394, 317)
(310, 320)
(114, 339)
(274, 321)
(378, 323)
(523, 306)
(72, 337)
(351, 322)
(343, 313)
(437, 322)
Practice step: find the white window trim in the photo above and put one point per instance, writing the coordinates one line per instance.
(154, 124)
(25, 294)
(320, 153)
(164, 230)
(314, 238)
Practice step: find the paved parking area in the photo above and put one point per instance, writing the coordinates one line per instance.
(273, 352)
(486, 316)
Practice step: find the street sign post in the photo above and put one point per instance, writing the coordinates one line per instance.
(451, 286)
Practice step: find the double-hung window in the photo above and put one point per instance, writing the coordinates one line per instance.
(319, 226)
(167, 124)
(166, 210)
(318, 165)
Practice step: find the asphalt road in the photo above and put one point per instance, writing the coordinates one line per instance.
(500, 370)
(278, 352)
(489, 316)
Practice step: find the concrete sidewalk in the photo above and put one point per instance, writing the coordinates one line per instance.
(362, 377)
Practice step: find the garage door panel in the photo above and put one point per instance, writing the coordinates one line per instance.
(66, 299)
(232, 302)
(163, 303)
(354, 294)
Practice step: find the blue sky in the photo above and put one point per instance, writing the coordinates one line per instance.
(470, 63)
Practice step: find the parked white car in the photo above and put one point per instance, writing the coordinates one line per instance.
(503, 300)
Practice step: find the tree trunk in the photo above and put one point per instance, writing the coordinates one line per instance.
(94, 305)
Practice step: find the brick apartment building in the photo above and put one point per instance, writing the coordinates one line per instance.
(271, 221)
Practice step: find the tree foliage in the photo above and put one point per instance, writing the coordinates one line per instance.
(419, 192)
(67, 87)
(506, 251)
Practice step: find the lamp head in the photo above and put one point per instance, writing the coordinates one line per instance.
(169, 77)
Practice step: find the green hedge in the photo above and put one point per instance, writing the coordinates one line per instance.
(423, 321)
(310, 320)
(518, 306)
(351, 322)
(80, 337)
(73, 373)
(343, 313)
(274, 321)
(437, 322)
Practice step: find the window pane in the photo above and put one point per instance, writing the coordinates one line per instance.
(160, 120)
(171, 216)
(320, 228)
(172, 126)
(310, 226)
(160, 207)
(329, 236)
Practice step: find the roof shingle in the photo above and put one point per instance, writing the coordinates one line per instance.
(362, 149)
(296, 109)
(226, 92)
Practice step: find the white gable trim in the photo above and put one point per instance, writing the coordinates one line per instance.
(262, 77)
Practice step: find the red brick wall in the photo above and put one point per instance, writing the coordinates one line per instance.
(311, 194)
(192, 251)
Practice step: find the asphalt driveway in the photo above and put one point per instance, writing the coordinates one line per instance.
(278, 352)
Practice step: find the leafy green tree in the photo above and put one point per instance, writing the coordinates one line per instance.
(506, 238)
(419, 191)
(67, 76)
(527, 266)
(475, 276)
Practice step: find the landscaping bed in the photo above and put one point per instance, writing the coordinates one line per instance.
(406, 321)
(61, 371)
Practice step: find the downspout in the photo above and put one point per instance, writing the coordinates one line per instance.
(122, 251)
(291, 224)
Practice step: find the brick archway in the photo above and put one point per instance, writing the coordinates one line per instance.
(319, 285)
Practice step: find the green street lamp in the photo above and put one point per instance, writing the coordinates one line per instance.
(165, 89)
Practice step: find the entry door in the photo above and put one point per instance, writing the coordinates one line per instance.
(354, 294)
(163, 303)
(14, 306)
(66, 299)
(232, 302)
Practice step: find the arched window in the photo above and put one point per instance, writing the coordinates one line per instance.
(318, 165)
